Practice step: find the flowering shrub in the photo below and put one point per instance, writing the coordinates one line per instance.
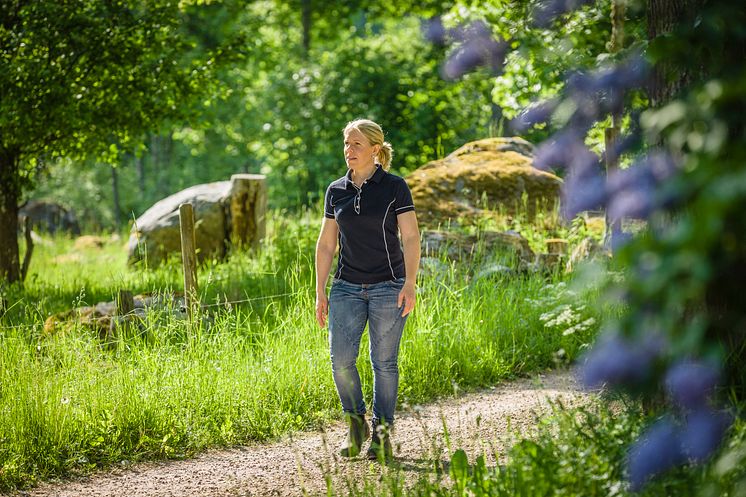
(684, 329)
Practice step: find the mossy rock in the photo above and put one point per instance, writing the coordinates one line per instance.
(480, 179)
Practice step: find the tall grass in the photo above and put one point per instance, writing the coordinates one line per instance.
(253, 370)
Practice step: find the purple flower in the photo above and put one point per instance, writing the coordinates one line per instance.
(634, 192)
(632, 203)
(656, 451)
(616, 361)
(619, 240)
(548, 10)
(479, 48)
(633, 72)
(534, 114)
(691, 383)
(583, 190)
(433, 30)
(559, 150)
(704, 432)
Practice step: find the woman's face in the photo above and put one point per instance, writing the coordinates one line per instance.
(359, 153)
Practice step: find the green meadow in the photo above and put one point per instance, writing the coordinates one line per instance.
(256, 365)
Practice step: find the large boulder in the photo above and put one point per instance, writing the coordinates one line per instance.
(225, 213)
(480, 178)
(50, 217)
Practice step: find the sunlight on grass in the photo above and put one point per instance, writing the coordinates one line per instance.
(250, 371)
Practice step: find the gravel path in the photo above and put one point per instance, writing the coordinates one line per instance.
(302, 464)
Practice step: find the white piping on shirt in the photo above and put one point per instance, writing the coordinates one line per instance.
(339, 270)
(405, 207)
(383, 230)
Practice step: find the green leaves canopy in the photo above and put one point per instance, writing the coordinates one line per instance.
(77, 76)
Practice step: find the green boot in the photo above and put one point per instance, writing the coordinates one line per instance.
(357, 434)
(380, 442)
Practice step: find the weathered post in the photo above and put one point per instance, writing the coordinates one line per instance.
(188, 257)
(29, 247)
(248, 209)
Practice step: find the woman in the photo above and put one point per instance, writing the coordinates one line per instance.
(374, 282)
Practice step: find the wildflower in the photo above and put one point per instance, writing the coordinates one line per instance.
(479, 48)
(616, 361)
(433, 31)
(691, 384)
(704, 432)
(656, 451)
(534, 114)
(549, 10)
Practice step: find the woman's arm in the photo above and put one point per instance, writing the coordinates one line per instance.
(410, 237)
(326, 246)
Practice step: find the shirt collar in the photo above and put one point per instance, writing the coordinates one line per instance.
(377, 176)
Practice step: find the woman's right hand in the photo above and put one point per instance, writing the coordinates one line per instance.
(322, 309)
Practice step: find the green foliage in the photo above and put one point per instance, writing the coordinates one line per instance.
(79, 77)
(573, 452)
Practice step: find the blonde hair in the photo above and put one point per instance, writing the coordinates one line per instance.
(373, 132)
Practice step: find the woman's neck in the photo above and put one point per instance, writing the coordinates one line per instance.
(360, 177)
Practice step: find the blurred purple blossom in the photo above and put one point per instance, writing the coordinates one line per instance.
(582, 190)
(548, 10)
(479, 48)
(617, 361)
(559, 150)
(657, 450)
(691, 384)
(635, 192)
(619, 240)
(534, 114)
(704, 432)
(434, 31)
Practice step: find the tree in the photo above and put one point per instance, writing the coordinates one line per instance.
(83, 78)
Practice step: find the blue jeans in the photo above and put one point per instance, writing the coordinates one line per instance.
(351, 305)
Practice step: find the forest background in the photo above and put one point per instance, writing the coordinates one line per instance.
(297, 73)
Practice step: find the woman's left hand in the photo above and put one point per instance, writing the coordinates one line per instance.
(407, 297)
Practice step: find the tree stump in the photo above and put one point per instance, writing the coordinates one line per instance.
(248, 209)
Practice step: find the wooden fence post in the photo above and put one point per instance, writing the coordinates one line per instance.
(188, 257)
(248, 210)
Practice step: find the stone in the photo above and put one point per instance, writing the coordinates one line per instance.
(226, 213)
(480, 178)
(104, 318)
(86, 242)
(556, 246)
(458, 245)
(50, 217)
(155, 235)
(588, 248)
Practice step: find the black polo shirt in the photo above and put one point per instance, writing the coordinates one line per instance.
(369, 247)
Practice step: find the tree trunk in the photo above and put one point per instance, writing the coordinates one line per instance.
(10, 192)
(662, 17)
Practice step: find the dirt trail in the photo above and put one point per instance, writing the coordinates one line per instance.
(478, 422)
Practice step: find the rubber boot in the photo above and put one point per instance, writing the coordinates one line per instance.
(357, 434)
(380, 442)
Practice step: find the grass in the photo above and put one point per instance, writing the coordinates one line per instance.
(573, 452)
(253, 371)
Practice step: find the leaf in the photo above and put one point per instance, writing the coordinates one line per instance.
(459, 466)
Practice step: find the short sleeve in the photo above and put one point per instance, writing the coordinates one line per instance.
(328, 204)
(403, 201)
